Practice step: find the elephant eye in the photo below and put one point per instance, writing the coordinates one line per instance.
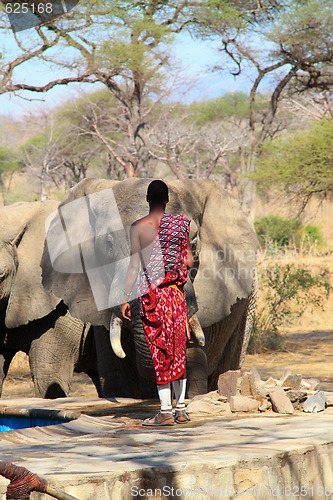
(3, 272)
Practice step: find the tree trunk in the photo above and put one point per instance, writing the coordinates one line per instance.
(137, 139)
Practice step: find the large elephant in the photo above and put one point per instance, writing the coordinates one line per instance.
(86, 258)
(32, 320)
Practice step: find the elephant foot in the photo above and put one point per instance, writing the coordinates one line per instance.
(54, 391)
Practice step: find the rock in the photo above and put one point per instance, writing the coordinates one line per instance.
(305, 386)
(272, 382)
(211, 396)
(245, 387)
(329, 398)
(255, 373)
(280, 401)
(313, 383)
(206, 406)
(262, 389)
(227, 383)
(252, 386)
(265, 405)
(296, 397)
(293, 381)
(243, 403)
(199, 397)
(315, 403)
(285, 375)
(215, 396)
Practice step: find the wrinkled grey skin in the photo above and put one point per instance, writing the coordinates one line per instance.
(32, 320)
(224, 245)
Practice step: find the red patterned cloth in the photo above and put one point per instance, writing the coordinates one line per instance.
(161, 298)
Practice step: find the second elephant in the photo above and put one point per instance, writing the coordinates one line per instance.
(31, 319)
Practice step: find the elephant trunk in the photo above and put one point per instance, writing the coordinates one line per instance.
(197, 330)
(115, 333)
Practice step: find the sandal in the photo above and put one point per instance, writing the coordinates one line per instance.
(159, 419)
(181, 417)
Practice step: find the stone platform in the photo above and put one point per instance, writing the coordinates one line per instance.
(106, 454)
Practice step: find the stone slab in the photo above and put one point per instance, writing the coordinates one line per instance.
(227, 384)
(99, 458)
(280, 401)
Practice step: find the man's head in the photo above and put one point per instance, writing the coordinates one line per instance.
(157, 193)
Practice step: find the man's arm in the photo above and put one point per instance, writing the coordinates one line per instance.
(133, 269)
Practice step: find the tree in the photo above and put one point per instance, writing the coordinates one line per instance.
(287, 46)
(192, 144)
(120, 44)
(300, 164)
(55, 154)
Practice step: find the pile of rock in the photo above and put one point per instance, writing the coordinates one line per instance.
(247, 392)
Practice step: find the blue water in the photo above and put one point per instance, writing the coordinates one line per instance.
(11, 422)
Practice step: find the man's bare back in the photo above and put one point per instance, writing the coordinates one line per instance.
(144, 231)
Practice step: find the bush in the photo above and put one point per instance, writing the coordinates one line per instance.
(283, 288)
(312, 235)
(276, 231)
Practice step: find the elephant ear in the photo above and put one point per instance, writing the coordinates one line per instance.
(71, 268)
(227, 256)
(28, 299)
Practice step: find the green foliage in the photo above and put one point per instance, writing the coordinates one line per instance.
(312, 235)
(8, 160)
(287, 291)
(275, 232)
(230, 104)
(279, 230)
(299, 163)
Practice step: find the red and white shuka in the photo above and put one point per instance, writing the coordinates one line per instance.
(161, 298)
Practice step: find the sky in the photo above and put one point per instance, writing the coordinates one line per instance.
(195, 56)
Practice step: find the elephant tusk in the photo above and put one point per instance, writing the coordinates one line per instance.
(197, 330)
(115, 332)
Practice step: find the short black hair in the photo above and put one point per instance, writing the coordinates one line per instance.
(157, 192)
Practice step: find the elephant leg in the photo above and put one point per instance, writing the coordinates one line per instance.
(6, 357)
(87, 361)
(52, 355)
(234, 351)
(196, 370)
(118, 377)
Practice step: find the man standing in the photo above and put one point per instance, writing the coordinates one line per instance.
(161, 242)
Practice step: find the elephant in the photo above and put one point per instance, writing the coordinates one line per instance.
(85, 260)
(31, 319)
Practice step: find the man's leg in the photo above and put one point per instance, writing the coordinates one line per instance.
(179, 385)
(164, 417)
(164, 393)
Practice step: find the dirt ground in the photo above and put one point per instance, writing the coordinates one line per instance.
(308, 353)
